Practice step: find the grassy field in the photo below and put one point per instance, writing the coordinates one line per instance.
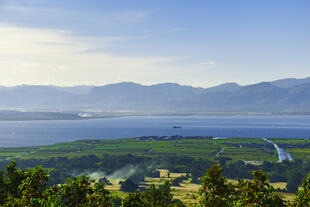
(291, 141)
(206, 148)
(187, 192)
(298, 148)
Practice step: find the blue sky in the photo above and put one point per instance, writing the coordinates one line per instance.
(200, 43)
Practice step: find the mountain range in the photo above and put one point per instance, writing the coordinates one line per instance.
(280, 96)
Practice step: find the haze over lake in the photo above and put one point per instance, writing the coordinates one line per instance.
(33, 133)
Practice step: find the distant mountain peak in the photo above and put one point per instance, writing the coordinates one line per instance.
(166, 84)
(230, 83)
(286, 95)
(229, 86)
(123, 84)
(261, 84)
(290, 82)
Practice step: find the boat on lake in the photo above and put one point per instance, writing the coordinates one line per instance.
(176, 127)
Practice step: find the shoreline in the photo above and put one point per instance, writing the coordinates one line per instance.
(42, 116)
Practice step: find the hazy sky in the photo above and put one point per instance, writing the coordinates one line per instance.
(191, 42)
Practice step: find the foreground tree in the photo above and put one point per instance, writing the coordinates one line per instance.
(82, 191)
(13, 179)
(215, 190)
(33, 187)
(75, 190)
(303, 195)
(136, 199)
(160, 196)
(258, 192)
(101, 197)
(3, 192)
(28, 188)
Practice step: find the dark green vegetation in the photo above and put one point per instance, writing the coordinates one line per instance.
(179, 155)
(233, 148)
(217, 191)
(28, 188)
(132, 160)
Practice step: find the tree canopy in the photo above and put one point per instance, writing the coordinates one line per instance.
(29, 188)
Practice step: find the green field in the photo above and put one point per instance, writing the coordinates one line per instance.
(234, 148)
(298, 148)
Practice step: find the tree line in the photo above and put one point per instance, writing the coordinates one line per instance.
(62, 168)
(29, 188)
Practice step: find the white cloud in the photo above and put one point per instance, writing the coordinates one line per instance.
(103, 18)
(17, 8)
(46, 56)
(208, 63)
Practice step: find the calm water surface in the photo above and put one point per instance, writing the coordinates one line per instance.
(30, 133)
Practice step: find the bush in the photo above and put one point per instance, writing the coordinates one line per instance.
(128, 186)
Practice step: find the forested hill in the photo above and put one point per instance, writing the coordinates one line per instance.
(281, 96)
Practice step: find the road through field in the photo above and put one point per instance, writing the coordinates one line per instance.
(282, 154)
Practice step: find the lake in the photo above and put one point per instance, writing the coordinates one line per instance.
(33, 133)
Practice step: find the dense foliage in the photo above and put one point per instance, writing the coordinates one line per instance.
(30, 187)
(61, 168)
(217, 191)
